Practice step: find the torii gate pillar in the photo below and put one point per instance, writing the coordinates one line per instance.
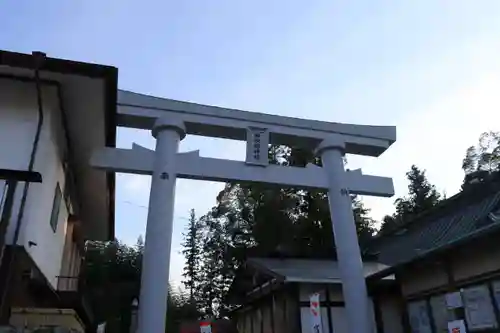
(354, 290)
(158, 238)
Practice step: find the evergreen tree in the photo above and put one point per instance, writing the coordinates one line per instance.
(139, 245)
(365, 225)
(483, 160)
(212, 287)
(422, 195)
(191, 254)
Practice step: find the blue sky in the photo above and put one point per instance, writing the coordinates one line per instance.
(429, 67)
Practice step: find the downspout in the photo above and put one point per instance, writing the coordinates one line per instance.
(38, 59)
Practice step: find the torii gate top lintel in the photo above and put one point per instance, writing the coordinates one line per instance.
(141, 111)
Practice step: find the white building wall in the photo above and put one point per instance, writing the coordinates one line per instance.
(18, 124)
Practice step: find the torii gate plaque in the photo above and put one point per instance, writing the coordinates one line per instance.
(171, 120)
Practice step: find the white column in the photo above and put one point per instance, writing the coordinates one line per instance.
(133, 316)
(158, 238)
(346, 240)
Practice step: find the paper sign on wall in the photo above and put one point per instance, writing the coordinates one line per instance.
(454, 300)
(456, 326)
(315, 309)
(205, 327)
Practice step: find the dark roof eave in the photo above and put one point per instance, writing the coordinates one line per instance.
(486, 189)
(110, 76)
(265, 270)
(21, 175)
(435, 252)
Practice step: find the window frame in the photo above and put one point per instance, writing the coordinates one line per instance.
(485, 288)
(421, 304)
(488, 283)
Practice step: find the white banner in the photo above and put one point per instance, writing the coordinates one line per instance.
(205, 327)
(456, 326)
(315, 308)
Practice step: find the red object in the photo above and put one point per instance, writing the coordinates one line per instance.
(218, 326)
(314, 308)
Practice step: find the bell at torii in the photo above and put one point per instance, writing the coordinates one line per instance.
(170, 121)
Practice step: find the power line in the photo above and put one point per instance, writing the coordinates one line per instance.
(135, 204)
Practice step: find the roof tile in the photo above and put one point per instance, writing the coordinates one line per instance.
(433, 233)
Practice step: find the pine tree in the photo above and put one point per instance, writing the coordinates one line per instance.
(422, 197)
(191, 253)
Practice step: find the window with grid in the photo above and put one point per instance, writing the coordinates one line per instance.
(479, 311)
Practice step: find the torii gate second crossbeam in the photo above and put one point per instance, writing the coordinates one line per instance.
(170, 121)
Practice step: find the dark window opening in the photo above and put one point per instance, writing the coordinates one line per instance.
(56, 206)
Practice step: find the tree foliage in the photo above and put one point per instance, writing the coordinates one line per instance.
(482, 160)
(112, 275)
(191, 252)
(422, 195)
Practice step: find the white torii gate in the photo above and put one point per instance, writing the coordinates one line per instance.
(171, 120)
